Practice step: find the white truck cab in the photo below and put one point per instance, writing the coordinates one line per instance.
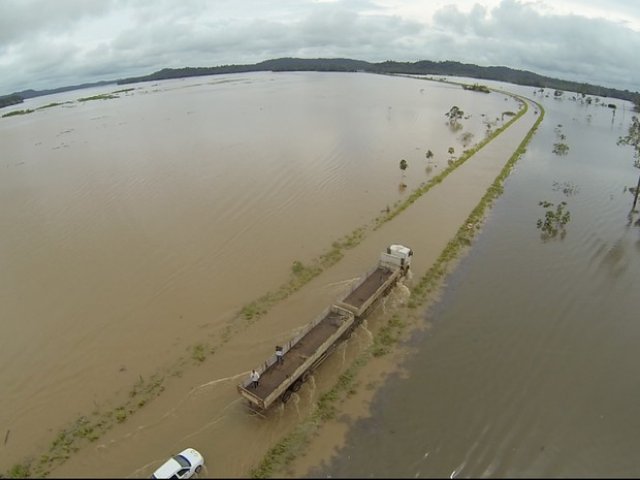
(397, 255)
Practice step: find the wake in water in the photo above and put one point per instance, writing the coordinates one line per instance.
(194, 390)
(368, 335)
(171, 411)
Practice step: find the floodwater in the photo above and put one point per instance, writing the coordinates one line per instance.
(137, 227)
(529, 367)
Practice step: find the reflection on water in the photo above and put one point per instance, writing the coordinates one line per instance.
(137, 226)
(530, 367)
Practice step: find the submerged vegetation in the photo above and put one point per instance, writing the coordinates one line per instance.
(476, 88)
(89, 428)
(567, 188)
(18, 112)
(560, 149)
(104, 96)
(455, 114)
(554, 220)
(52, 104)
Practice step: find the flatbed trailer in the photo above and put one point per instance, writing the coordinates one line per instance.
(374, 285)
(300, 357)
(307, 350)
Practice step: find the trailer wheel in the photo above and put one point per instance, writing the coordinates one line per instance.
(297, 385)
(286, 396)
(305, 376)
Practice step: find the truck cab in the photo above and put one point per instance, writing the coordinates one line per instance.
(398, 255)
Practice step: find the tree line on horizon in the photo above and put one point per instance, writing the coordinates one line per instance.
(422, 67)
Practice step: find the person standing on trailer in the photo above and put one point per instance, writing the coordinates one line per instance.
(255, 379)
(279, 355)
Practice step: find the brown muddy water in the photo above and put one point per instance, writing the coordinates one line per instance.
(529, 367)
(137, 227)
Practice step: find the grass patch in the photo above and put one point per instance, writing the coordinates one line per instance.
(199, 352)
(87, 429)
(388, 335)
(301, 274)
(19, 470)
(124, 90)
(50, 105)
(120, 414)
(476, 88)
(104, 96)
(18, 112)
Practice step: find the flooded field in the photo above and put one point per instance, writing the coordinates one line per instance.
(135, 228)
(527, 366)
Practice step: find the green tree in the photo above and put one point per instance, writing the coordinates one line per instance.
(633, 139)
(454, 115)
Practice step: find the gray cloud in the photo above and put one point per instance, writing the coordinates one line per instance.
(46, 44)
(24, 19)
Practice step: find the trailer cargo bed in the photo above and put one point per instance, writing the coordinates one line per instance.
(370, 289)
(300, 355)
(319, 338)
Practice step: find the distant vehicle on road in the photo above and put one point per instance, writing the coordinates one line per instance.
(183, 465)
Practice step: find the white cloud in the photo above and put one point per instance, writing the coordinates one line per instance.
(46, 44)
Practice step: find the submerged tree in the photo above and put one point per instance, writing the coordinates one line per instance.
(466, 138)
(633, 138)
(454, 115)
(560, 148)
(554, 220)
(403, 167)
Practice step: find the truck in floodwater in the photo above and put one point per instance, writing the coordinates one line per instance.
(280, 377)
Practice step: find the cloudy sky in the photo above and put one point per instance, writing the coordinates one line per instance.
(53, 43)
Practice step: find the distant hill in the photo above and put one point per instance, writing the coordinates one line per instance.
(19, 97)
(423, 67)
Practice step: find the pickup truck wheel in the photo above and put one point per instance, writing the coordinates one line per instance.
(286, 396)
(198, 468)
